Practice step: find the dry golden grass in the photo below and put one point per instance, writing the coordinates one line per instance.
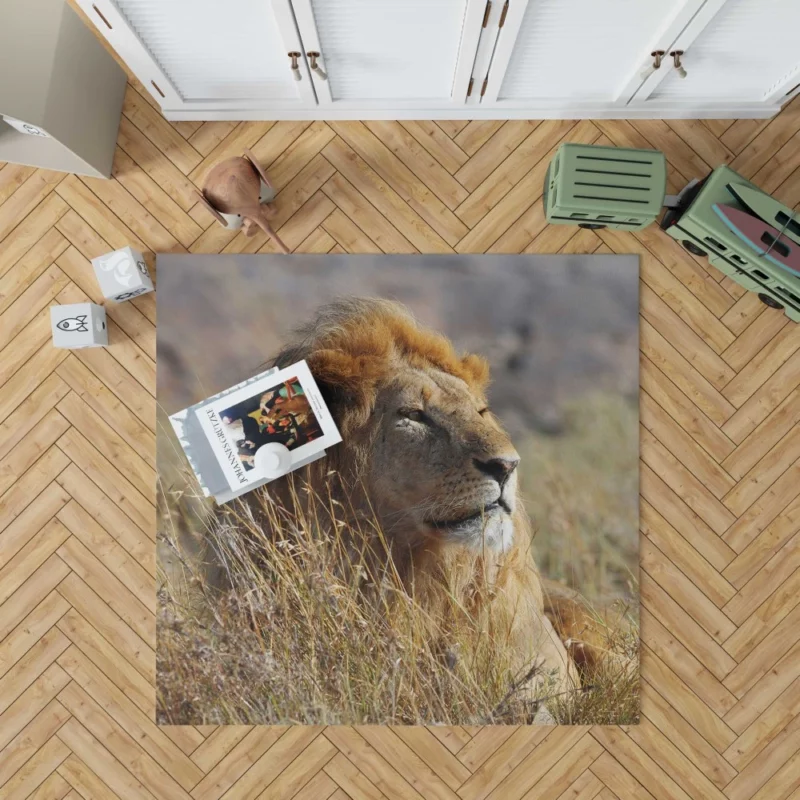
(292, 626)
(581, 491)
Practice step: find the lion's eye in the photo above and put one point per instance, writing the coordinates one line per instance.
(484, 411)
(414, 414)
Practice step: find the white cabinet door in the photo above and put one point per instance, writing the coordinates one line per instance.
(747, 51)
(562, 53)
(206, 53)
(390, 54)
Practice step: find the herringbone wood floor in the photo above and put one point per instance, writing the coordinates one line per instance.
(720, 486)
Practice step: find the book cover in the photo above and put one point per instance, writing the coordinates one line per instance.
(223, 434)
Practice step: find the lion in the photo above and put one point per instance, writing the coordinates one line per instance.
(423, 453)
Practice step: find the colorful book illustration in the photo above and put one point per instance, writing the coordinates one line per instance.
(763, 238)
(231, 438)
(769, 209)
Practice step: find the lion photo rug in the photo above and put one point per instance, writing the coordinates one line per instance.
(467, 554)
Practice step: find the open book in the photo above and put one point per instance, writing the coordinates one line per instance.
(253, 432)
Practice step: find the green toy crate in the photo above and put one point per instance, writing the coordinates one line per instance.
(599, 187)
(695, 224)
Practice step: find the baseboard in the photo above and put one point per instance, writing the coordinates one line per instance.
(334, 112)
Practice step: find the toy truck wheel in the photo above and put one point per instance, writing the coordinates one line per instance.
(693, 248)
(592, 226)
(770, 301)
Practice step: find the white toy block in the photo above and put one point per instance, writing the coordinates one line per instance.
(78, 325)
(122, 274)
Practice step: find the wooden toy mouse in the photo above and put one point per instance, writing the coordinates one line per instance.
(233, 194)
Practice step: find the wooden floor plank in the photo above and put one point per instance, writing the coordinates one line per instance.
(771, 572)
(692, 635)
(93, 769)
(160, 132)
(34, 701)
(685, 413)
(36, 770)
(421, 164)
(681, 444)
(505, 759)
(79, 450)
(695, 748)
(26, 198)
(12, 176)
(780, 604)
(420, 221)
(30, 231)
(30, 266)
(643, 768)
(120, 744)
(113, 628)
(288, 147)
(437, 143)
(360, 224)
(208, 135)
(147, 192)
(30, 630)
(109, 443)
(135, 723)
(684, 483)
(684, 520)
(351, 782)
(509, 172)
(237, 762)
(30, 540)
(37, 586)
(685, 702)
(33, 664)
(676, 584)
(567, 769)
(493, 152)
(760, 697)
(83, 781)
(108, 515)
(683, 555)
(689, 669)
(108, 660)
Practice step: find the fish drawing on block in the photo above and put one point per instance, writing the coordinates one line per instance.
(763, 238)
(769, 209)
(74, 324)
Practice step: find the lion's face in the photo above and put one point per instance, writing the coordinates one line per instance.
(440, 465)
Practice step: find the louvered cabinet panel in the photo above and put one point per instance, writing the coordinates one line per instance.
(390, 51)
(207, 55)
(569, 50)
(750, 49)
(210, 49)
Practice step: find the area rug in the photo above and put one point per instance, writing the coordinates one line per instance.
(467, 554)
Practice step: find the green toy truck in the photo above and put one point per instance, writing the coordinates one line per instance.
(605, 187)
(613, 187)
(695, 224)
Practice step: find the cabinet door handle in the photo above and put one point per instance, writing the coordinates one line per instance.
(102, 17)
(315, 68)
(294, 55)
(648, 71)
(676, 60)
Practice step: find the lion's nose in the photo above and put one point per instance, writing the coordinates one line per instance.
(499, 469)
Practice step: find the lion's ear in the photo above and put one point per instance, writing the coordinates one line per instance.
(476, 369)
(341, 376)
